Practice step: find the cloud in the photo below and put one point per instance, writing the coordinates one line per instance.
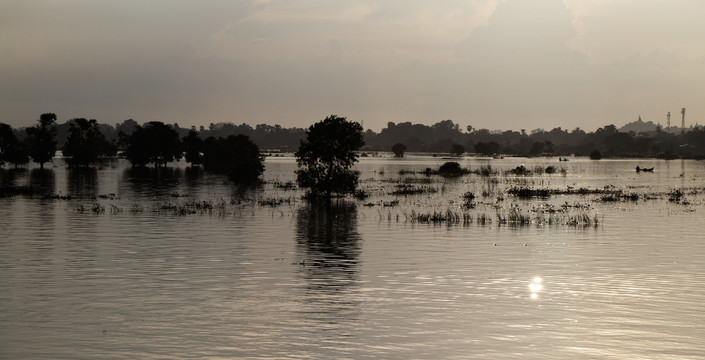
(522, 65)
(490, 63)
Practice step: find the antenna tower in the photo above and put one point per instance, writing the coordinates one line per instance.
(683, 123)
(668, 120)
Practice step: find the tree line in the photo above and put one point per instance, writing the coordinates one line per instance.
(326, 151)
(325, 157)
(442, 137)
(84, 141)
(608, 141)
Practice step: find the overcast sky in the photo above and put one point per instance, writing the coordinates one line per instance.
(514, 64)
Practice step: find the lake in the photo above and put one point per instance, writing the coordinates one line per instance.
(123, 263)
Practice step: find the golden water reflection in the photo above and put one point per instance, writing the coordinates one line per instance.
(535, 286)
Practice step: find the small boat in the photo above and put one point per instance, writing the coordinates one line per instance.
(638, 169)
(562, 159)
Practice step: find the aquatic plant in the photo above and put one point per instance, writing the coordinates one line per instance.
(527, 193)
(619, 195)
(451, 168)
(8, 191)
(111, 196)
(289, 185)
(98, 208)
(520, 170)
(272, 202)
(485, 170)
(469, 200)
(675, 195)
(404, 189)
(361, 194)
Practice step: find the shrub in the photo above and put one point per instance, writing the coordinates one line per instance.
(451, 168)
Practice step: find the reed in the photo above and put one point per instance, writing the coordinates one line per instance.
(527, 193)
(8, 191)
(485, 170)
(404, 189)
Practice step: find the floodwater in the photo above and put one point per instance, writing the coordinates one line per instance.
(180, 264)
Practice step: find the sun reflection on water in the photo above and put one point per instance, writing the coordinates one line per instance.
(535, 286)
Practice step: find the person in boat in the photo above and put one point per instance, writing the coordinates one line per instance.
(638, 168)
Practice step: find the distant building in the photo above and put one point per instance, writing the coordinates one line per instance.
(639, 126)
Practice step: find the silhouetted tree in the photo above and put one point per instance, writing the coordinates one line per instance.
(326, 156)
(193, 146)
(85, 143)
(595, 155)
(451, 168)
(619, 144)
(537, 148)
(237, 156)
(489, 148)
(128, 126)
(457, 149)
(153, 143)
(399, 149)
(41, 139)
(11, 150)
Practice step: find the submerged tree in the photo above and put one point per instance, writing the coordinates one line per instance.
(155, 143)
(325, 158)
(451, 168)
(489, 148)
(11, 150)
(41, 139)
(237, 156)
(85, 143)
(193, 146)
(399, 149)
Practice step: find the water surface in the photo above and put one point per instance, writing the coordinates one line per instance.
(355, 279)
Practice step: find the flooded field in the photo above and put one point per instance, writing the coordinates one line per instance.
(521, 258)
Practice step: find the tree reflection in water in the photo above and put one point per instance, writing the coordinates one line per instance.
(148, 181)
(44, 180)
(328, 247)
(10, 177)
(193, 177)
(82, 182)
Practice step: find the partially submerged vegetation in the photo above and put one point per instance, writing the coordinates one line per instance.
(512, 217)
(406, 189)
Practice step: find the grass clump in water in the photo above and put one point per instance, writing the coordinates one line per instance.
(528, 193)
(520, 170)
(469, 200)
(405, 189)
(485, 170)
(8, 191)
(451, 169)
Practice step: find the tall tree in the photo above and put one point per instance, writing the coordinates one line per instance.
(85, 143)
(41, 139)
(11, 150)
(399, 149)
(325, 158)
(153, 143)
(193, 146)
(457, 149)
(237, 156)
